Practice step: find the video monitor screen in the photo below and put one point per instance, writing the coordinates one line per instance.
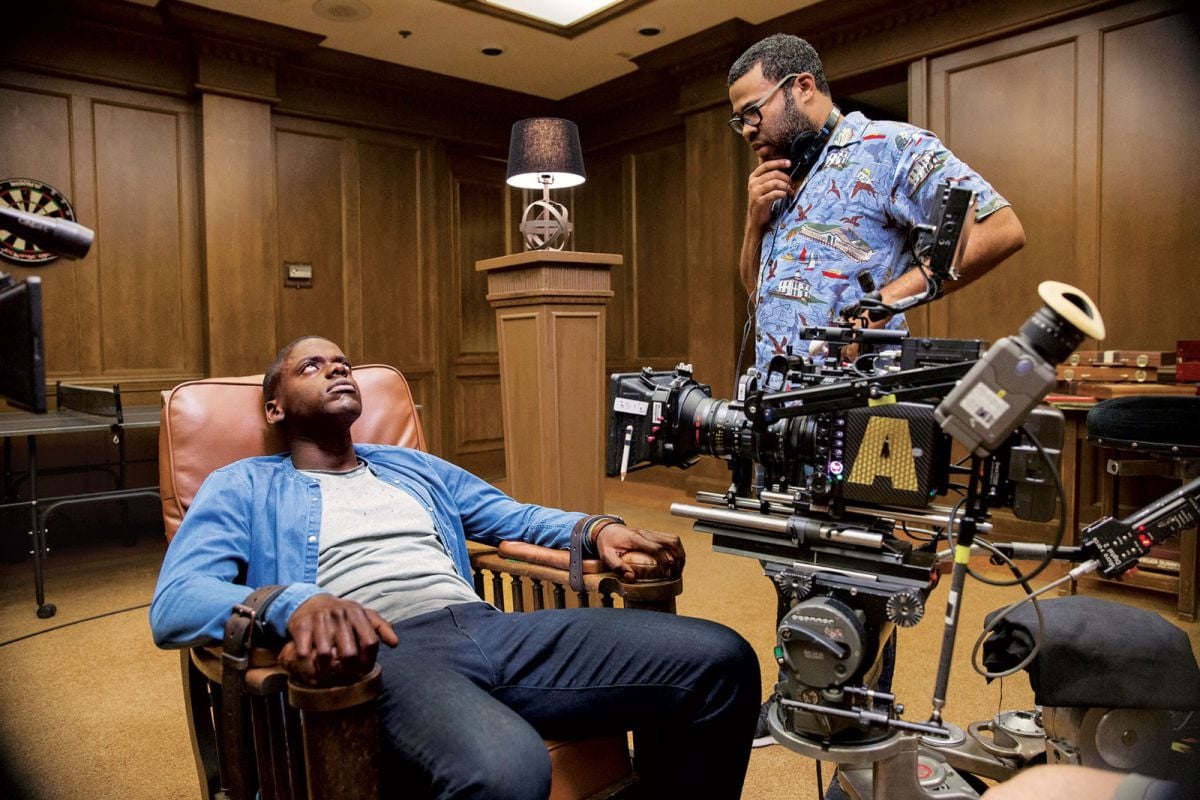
(22, 352)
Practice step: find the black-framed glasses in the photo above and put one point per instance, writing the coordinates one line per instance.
(752, 114)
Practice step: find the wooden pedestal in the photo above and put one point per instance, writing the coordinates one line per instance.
(550, 328)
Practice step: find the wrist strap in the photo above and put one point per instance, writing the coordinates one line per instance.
(582, 545)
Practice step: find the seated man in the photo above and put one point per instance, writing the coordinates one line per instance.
(369, 543)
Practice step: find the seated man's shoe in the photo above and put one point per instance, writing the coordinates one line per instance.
(762, 734)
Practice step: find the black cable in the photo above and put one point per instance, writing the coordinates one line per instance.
(75, 622)
(750, 304)
(1058, 537)
(949, 532)
(820, 782)
(855, 368)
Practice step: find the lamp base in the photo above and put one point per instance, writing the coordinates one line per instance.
(546, 225)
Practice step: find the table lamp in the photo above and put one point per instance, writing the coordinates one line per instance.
(545, 151)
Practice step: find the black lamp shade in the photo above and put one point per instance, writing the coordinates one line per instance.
(545, 146)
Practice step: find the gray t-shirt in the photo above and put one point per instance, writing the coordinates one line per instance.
(379, 548)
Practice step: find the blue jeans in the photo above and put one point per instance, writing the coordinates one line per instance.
(471, 692)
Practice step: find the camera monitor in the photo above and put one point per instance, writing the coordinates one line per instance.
(22, 352)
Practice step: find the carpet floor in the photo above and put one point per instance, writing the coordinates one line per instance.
(89, 708)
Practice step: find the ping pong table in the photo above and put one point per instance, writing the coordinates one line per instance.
(81, 409)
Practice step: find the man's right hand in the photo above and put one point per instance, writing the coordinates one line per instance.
(333, 641)
(768, 183)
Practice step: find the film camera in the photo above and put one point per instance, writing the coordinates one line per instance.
(827, 462)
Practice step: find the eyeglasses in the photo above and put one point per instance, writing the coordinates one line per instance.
(752, 114)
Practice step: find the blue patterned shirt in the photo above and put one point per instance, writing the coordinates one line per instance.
(874, 182)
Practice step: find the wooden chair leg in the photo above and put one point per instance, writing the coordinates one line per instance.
(341, 738)
(198, 705)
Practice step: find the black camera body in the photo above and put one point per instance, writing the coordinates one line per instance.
(884, 453)
(892, 454)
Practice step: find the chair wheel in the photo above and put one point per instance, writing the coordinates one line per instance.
(46, 611)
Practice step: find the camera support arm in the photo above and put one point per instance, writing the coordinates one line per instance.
(762, 409)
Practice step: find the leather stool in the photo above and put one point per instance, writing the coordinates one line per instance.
(1153, 435)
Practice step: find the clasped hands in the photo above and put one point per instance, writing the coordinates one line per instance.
(334, 641)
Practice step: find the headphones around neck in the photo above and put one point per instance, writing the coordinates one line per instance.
(804, 151)
(806, 148)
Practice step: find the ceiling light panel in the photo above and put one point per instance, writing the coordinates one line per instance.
(558, 12)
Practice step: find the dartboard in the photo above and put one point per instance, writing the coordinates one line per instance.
(26, 194)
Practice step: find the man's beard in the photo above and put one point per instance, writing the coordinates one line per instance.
(791, 126)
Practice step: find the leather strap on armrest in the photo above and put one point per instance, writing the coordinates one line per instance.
(235, 659)
(575, 563)
(581, 541)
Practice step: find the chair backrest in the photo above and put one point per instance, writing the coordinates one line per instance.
(209, 423)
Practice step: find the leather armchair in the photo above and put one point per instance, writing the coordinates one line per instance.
(285, 741)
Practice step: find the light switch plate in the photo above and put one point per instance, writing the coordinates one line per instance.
(297, 275)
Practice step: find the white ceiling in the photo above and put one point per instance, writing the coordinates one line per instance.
(448, 38)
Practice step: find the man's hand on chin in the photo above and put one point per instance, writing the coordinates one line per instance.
(333, 641)
(638, 554)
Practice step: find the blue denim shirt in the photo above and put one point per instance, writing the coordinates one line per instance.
(256, 522)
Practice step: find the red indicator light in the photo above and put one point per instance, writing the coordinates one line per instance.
(1145, 540)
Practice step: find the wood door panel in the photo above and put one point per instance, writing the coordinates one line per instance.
(1023, 143)
(1149, 267)
(398, 316)
(309, 180)
(138, 190)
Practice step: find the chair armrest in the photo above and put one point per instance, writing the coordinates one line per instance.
(546, 557)
(547, 565)
(263, 677)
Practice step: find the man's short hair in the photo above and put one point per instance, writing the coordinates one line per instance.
(275, 372)
(781, 54)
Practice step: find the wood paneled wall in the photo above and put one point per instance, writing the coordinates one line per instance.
(479, 227)
(635, 204)
(1082, 127)
(354, 204)
(128, 313)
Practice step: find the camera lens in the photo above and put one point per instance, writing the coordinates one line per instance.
(1059, 326)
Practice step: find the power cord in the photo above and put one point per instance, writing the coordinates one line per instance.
(74, 622)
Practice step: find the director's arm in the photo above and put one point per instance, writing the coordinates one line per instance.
(767, 184)
(992, 239)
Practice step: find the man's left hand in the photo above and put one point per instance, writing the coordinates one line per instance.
(640, 554)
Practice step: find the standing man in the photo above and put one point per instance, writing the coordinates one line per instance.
(834, 196)
(811, 228)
